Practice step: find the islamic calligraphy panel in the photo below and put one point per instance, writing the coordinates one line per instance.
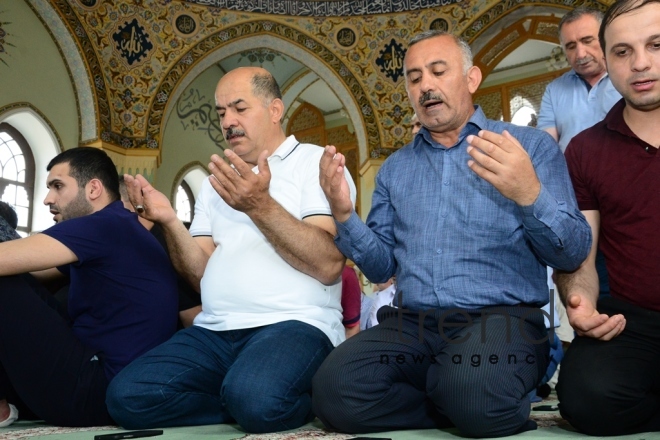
(346, 37)
(439, 24)
(185, 25)
(322, 8)
(3, 41)
(132, 43)
(196, 112)
(390, 60)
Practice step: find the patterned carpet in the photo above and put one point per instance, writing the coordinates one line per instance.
(19, 434)
(545, 413)
(303, 434)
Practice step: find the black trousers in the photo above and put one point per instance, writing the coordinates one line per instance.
(472, 370)
(613, 387)
(43, 366)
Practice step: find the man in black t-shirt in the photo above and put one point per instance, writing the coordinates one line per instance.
(122, 298)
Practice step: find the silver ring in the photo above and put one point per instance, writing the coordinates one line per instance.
(139, 208)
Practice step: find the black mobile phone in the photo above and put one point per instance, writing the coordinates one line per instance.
(129, 434)
(370, 438)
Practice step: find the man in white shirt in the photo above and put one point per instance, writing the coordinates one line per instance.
(263, 256)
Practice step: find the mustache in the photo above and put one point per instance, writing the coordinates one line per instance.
(231, 132)
(428, 96)
(584, 60)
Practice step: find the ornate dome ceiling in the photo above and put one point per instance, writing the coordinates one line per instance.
(132, 59)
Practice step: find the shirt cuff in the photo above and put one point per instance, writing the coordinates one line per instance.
(542, 212)
(351, 227)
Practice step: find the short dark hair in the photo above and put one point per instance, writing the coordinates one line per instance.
(9, 214)
(617, 9)
(123, 189)
(576, 14)
(265, 86)
(87, 163)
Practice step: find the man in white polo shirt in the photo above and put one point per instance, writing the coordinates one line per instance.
(263, 256)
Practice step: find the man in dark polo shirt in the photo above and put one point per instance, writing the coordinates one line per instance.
(610, 380)
(122, 297)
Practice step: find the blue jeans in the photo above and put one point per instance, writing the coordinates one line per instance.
(260, 378)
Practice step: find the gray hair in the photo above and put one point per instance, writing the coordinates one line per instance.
(265, 86)
(576, 14)
(466, 51)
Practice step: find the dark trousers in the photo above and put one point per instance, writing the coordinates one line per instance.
(603, 277)
(613, 387)
(469, 370)
(43, 366)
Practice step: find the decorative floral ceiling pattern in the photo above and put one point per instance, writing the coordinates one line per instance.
(138, 51)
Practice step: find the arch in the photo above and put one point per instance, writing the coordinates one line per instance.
(291, 92)
(286, 40)
(194, 173)
(505, 26)
(518, 102)
(183, 190)
(17, 172)
(542, 28)
(483, 28)
(86, 99)
(45, 144)
(308, 124)
(524, 113)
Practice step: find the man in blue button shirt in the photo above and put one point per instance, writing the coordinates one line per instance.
(582, 96)
(467, 217)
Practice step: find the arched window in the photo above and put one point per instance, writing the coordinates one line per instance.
(17, 175)
(525, 116)
(185, 202)
(190, 178)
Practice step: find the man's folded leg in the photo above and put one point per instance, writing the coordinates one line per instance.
(268, 388)
(482, 379)
(175, 384)
(613, 387)
(376, 380)
(33, 334)
(259, 378)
